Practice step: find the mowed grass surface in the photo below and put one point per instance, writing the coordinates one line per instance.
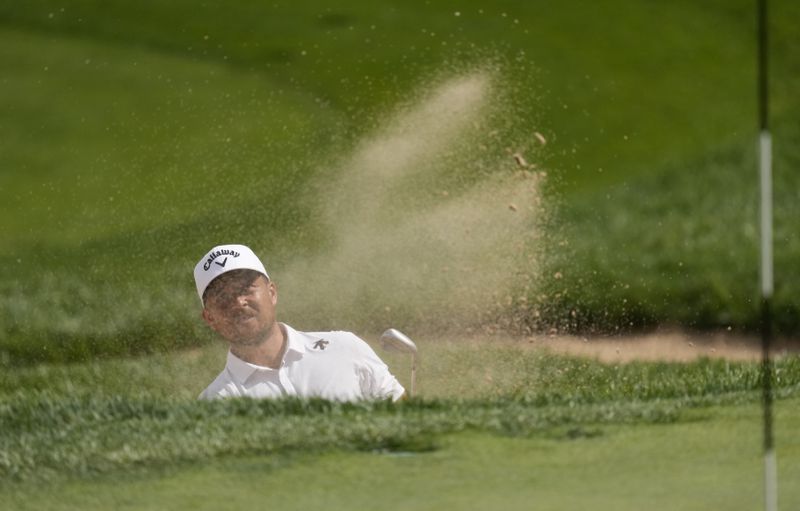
(713, 461)
(497, 423)
(135, 137)
(82, 420)
(711, 231)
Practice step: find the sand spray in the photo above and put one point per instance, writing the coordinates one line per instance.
(434, 219)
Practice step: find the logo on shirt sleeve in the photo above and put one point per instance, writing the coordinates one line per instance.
(320, 344)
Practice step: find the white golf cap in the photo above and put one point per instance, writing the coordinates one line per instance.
(222, 259)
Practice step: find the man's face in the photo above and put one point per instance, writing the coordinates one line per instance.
(240, 306)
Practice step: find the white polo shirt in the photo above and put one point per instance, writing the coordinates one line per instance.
(338, 366)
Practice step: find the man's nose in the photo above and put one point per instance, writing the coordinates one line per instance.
(236, 300)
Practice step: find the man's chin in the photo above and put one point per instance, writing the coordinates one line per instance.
(248, 337)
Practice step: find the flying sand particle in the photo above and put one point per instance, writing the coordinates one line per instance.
(540, 137)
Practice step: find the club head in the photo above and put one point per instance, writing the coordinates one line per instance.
(395, 340)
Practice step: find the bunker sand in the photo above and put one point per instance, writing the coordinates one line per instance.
(667, 346)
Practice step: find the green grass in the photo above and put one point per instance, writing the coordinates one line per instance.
(83, 420)
(567, 429)
(133, 137)
(689, 258)
(710, 462)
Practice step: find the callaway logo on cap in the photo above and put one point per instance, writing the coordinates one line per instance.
(224, 258)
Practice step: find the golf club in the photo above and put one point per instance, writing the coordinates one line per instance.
(395, 340)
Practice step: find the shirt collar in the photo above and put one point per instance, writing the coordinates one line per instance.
(296, 341)
(295, 348)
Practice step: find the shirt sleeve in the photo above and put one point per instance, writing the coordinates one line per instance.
(375, 379)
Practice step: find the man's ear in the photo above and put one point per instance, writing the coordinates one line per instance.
(208, 318)
(273, 292)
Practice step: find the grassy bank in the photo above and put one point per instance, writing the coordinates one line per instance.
(687, 257)
(567, 430)
(62, 422)
(709, 461)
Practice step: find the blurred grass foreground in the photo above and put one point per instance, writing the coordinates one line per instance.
(595, 171)
(93, 418)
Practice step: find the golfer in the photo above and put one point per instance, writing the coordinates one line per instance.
(268, 359)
